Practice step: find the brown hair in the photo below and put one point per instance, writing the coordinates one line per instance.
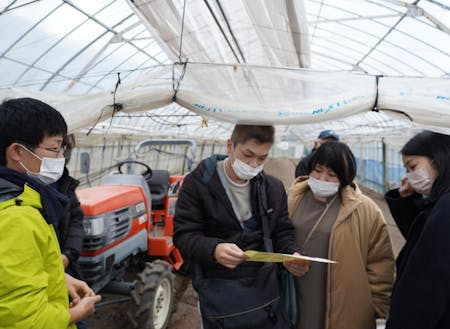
(70, 144)
(261, 134)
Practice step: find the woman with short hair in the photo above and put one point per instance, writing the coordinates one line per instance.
(334, 220)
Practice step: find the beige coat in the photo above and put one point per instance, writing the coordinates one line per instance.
(359, 286)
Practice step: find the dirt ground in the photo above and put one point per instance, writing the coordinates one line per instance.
(185, 315)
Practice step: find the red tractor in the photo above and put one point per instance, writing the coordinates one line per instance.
(129, 224)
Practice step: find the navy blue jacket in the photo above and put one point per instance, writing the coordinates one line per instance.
(302, 166)
(71, 230)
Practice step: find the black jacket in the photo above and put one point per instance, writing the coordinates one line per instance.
(70, 231)
(204, 217)
(302, 166)
(421, 295)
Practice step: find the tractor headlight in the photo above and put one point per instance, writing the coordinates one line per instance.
(94, 226)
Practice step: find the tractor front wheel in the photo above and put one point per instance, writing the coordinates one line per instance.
(152, 297)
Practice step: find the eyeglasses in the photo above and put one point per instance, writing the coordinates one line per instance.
(57, 152)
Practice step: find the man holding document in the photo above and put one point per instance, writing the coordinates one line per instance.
(221, 210)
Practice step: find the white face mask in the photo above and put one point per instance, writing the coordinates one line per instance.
(244, 171)
(420, 180)
(50, 171)
(321, 188)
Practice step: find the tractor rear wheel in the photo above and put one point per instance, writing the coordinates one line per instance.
(152, 297)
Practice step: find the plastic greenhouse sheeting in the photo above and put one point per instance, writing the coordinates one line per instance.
(259, 95)
(263, 32)
(247, 62)
(423, 100)
(255, 95)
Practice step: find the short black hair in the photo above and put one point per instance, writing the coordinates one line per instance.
(261, 134)
(28, 121)
(436, 147)
(338, 157)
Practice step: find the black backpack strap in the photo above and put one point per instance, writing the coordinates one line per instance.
(264, 213)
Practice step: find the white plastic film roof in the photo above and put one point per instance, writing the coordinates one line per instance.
(194, 67)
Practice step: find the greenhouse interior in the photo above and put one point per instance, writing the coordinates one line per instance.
(184, 72)
(192, 69)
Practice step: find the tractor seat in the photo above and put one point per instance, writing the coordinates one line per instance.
(159, 185)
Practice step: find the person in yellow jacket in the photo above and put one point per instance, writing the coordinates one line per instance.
(34, 291)
(334, 220)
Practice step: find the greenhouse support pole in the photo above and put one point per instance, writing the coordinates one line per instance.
(362, 166)
(385, 166)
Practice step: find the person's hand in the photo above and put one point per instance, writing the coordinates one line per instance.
(297, 267)
(77, 289)
(65, 260)
(405, 189)
(85, 307)
(229, 255)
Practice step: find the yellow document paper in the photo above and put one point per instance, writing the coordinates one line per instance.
(262, 256)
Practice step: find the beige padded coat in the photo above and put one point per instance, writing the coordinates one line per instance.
(360, 284)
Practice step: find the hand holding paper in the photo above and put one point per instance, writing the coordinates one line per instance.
(229, 255)
(297, 267)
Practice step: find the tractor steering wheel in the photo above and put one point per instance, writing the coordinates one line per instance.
(148, 173)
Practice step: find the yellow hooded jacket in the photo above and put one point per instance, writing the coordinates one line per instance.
(33, 291)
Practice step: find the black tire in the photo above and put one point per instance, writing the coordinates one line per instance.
(153, 296)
